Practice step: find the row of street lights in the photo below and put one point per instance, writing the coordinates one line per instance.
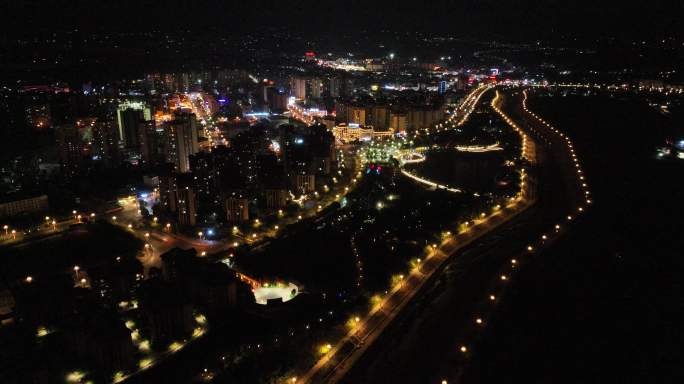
(398, 281)
(530, 249)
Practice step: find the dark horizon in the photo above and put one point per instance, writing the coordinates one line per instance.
(527, 20)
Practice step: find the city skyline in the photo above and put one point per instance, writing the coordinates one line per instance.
(349, 192)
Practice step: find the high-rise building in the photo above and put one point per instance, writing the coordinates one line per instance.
(70, 148)
(380, 117)
(105, 143)
(442, 87)
(356, 115)
(237, 208)
(315, 88)
(398, 122)
(335, 87)
(181, 141)
(298, 87)
(187, 205)
(276, 99)
(129, 115)
(178, 195)
(275, 198)
(306, 183)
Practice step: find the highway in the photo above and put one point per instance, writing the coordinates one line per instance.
(431, 339)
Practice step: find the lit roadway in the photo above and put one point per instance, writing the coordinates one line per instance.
(335, 364)
(432, 337)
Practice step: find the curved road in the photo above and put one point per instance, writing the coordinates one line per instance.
(343, 356)
(423, 343)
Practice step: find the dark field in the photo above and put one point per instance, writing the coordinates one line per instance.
(604, 304)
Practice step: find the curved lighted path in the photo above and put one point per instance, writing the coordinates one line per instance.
(464, 109)
(339, 358)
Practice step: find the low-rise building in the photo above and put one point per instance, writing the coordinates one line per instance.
(353, 132)
(19, 205)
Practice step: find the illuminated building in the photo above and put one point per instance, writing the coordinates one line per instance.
(187, 205)
(379, 117)
(275, 198)
(305, 183)
(38, 116)
(398, 122)
(205, 180)
(316, 88)
(237, 209)
(129, 115)
(105, 143)
(353, 132)
(356, 115)
(178, 195)
(181, 141)
(335, 87)
(298, 87)
(442, 87)
(304, 88)
(422, 117)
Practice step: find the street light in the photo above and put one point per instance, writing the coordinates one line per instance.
(200, 234)
(5, 227)
(14, 234)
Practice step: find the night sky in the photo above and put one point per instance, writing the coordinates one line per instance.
(523, 20)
